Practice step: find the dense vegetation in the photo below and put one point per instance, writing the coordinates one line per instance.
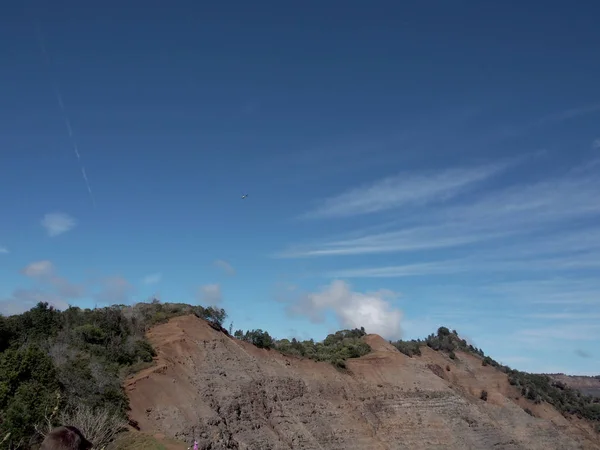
(74, 361)
(336, 348)
(534, 387)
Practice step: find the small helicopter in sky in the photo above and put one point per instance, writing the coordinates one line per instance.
(244, 196)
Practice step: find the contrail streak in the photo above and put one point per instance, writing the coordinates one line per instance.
(61, 105)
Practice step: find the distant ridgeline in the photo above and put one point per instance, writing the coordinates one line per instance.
(534, 387)
(53, 361)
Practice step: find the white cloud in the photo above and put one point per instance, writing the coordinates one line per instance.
(228, 268)
(58, 223)
(114, 290)
(596, 143)
(284, 292)
(210, 294)
(371, 310)
(45, 272)
(39, 269)
(24, 299)
(3, 250)
(57, 290)
(152, 278)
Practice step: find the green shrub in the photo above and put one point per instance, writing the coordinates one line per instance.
(259, 338)
(336, 348)
(409, 348)
(27, 391)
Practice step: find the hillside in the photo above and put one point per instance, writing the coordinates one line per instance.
(585, 385)
(230, 394)
(173, 372)
(68, 367)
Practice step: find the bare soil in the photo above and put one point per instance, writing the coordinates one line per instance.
(229, 394)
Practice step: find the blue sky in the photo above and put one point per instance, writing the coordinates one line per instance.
(408, 166)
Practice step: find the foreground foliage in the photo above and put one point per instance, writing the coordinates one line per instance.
(534, 387)
(74, 362)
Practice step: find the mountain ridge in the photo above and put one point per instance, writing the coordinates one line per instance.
(174, 372)
(228, 393)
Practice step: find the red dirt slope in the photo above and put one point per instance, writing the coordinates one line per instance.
(231, 395)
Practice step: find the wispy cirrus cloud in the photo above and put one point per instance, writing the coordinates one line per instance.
(225, 266)
(565, 316)
(3, 250)
(568, 114)
(500, 261)
(399, 271)
(523, 254)
(210, 294)
(404, 189)
(566, 332)
(561, 291)
(114, 289)
(58, 223)
(24, 299)
(529, 227)
(39, 269)
(152, 278)
(407, 239)
(49, 287)
(45, 272)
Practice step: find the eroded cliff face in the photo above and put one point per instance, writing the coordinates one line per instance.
(231, 395)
